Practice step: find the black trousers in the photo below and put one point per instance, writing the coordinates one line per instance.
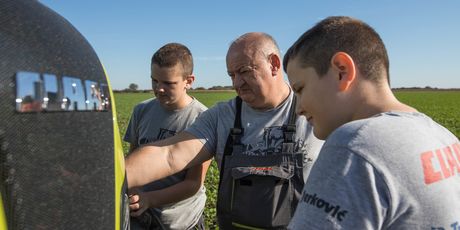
(149, 221)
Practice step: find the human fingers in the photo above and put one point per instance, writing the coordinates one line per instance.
(134, 207)
(134, 199)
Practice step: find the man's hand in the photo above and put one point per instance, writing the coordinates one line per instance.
(138, 202)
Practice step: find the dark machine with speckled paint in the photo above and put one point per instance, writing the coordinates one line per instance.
(57, 166)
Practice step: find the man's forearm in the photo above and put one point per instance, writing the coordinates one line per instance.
(172, 194)
(146, 164)
(164, 158)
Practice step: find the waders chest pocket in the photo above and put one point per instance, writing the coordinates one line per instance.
(262, 194)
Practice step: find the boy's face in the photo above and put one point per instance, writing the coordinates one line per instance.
(169, 85)
(317, 98)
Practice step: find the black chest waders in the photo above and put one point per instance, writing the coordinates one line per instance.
(259, 192)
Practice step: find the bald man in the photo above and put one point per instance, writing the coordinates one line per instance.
(263, 150)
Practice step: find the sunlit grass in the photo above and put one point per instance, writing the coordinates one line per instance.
(441, 106)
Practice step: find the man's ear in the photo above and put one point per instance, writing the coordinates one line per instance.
(189, 81)
(344, 66)
(275, 63)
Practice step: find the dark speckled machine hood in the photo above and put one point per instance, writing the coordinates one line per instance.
(56, 168)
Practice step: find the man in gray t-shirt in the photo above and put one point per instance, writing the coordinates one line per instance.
(263, 130)
(384, 165)
(177, 201)
(271, 153)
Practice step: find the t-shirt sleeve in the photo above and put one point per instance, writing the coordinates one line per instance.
(205, 128)
(343, 191)
(131, 134)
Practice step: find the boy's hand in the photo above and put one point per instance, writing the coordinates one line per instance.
(137, 203)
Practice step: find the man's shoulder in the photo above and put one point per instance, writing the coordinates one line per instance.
(224, 106)
(220, 112)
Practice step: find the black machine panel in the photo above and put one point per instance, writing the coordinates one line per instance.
(56, 125)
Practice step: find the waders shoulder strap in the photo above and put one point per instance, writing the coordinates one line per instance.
(290, 128)
(234, 137)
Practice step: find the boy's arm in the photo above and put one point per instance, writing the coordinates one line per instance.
(193, 181)
(164, 158)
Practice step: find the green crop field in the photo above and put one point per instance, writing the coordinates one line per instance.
(442, 106)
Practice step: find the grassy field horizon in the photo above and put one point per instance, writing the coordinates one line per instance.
(443, 106)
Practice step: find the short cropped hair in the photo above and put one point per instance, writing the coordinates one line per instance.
(171, 54)
(316, 47)
(265, 45)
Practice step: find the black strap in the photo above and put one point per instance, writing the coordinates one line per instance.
(290, 128)
(234, 137)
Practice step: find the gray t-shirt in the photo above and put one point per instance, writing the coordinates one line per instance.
(262, 130)
(150, 122)
(394, 170)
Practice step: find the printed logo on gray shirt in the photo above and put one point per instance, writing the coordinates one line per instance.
(271, 143)
(165, 133)
(329, 208)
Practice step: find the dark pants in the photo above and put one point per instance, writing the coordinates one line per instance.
(149, 221)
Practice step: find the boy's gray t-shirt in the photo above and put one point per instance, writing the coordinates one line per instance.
(150, 122)
(395, 170)
(262, 130)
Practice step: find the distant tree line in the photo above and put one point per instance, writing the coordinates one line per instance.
(134, 88)
(424, 88)
(216, 88)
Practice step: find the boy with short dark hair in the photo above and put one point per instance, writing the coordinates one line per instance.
(384, 165)
(178, 201)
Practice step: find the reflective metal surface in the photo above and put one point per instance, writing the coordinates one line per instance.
(74, 95)
(37, 92)
(28, 92)
(105, 95)
(51, 97)
(93, 96)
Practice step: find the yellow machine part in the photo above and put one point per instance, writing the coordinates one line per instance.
(119, 160)
(2, 215)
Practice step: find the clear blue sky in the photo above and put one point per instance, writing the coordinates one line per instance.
(422, 37)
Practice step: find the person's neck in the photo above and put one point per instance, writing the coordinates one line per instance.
(283, 94)
(279, 95)
(381, 100)
(182, 103)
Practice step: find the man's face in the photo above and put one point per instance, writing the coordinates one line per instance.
(250, 74)
(316, 98)
(168, 84)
